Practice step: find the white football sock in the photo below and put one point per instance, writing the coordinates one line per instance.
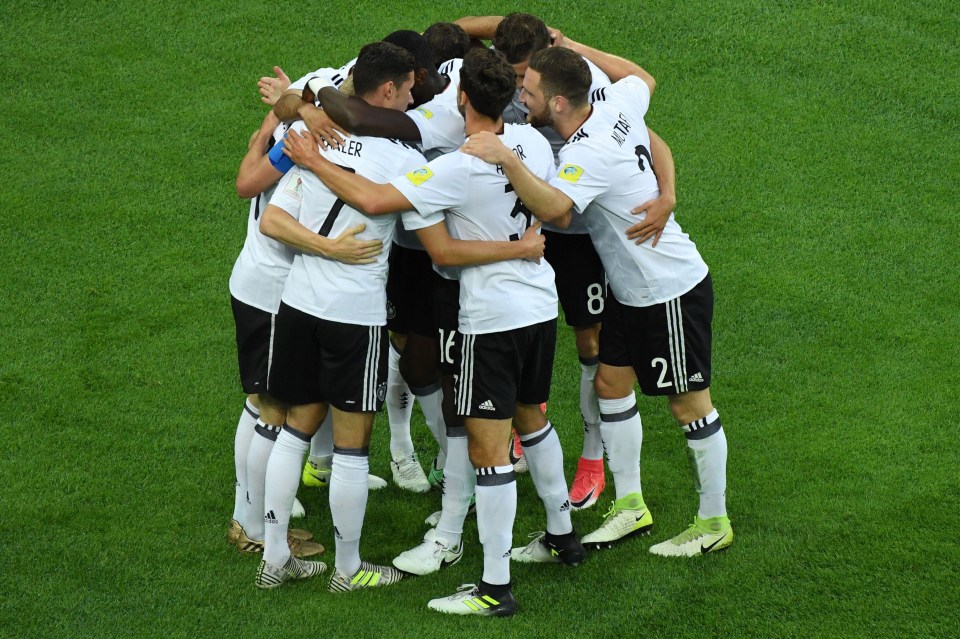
(708, 448)
(399, 401)
(459, 482)
(257, 458)
(590, 410)
(241, 444)
(622, 438)
(496, 510)
(283, 478)
(545, 459)
(348, 504)
(431, 403)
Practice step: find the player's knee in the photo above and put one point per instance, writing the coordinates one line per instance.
(691, 406)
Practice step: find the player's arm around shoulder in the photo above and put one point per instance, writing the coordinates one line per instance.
(615, 67)
(256, 172)
(547, 203)
(446, 251)
(359, 192)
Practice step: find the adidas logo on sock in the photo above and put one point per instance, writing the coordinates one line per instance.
(696, 377)
(487, 405)
(565, 507)
(270, 518)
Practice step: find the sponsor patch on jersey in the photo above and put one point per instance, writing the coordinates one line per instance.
(427, 113)
(570, 173)
(295, 187)
(419, 176)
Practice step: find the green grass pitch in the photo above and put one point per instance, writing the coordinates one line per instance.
(817, 154)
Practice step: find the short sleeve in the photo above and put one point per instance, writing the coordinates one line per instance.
(440, 128)
(631, 93)
(582, 176)
(326, 73)
(289, 193)
(438, 185)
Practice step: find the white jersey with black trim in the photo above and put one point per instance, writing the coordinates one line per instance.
(606, 169)
(441, 131)
(325, 288)
(480, 204)
(263, 264)
(516, 112)
(439, 120)
(335, 76)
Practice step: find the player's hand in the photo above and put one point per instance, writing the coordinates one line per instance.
(272, 88)
(302, 149)
(533, 242)
(328, 133)
(658, 212)
(350, 250)
(486, 146)
(556, 38)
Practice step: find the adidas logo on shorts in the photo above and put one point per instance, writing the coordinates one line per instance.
(487, 405)
(696, 377)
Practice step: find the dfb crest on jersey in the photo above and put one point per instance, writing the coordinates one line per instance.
(381, 391)
(391, 310)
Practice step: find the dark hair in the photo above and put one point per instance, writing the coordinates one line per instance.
(562, 72)
(488, 80)
(520, 35)
(380, 62)
(447, 41)
(416, 45)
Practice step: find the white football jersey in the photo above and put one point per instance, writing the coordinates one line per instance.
(261, 268)
(516, 112)
(480, 204)
(605, 168)
(325, 288)
(335, 76)
(439, 120)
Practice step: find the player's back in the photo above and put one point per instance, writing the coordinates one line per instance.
(327, 288)
(607, 165)
(509, 294)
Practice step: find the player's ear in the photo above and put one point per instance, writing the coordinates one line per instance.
(420, 76)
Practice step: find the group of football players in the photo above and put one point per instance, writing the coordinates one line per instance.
(394, 250)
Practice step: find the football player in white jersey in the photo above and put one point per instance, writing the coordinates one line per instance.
(662, 293)
(580, 279)
(330, 333)
(409, 286)
(255, 286)
(508, 314)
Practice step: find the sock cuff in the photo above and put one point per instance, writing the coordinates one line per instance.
(535, 438)
(590, 361)
(703, 428)
(423, 391)
(287, 428)
(352, 452)
(456, 431)
(495, 475)
(251, 409)
(618, 410)
(266, 430)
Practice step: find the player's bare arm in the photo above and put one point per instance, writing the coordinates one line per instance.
(544, 201)
(659, 209)
(362, 118)
(281, 226)
(271, 88)
(357, 191)
(614, 66)
(484, 27)
(446, 251)
(256, 173)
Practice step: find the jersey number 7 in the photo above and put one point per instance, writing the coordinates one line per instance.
(518, 209)
(334, 210)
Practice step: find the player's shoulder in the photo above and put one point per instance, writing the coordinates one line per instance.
(526, 134)
(451, 67)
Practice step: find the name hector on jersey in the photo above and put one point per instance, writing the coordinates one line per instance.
(519, 152)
